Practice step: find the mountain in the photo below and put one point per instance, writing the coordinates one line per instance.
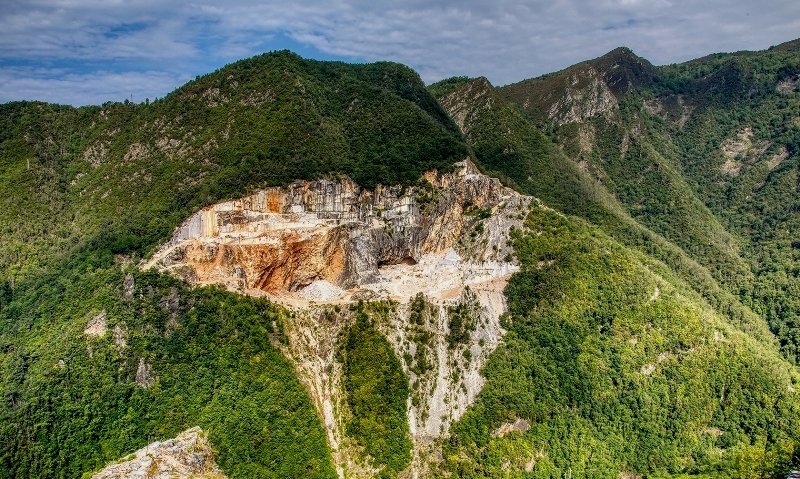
(314, 263)
(275, 117)
(670, 153)
(88, 191)
(583, 90)
(659, 178)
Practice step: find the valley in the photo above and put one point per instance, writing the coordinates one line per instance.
(296, 268)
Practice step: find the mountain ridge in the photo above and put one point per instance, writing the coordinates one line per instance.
(650, 330)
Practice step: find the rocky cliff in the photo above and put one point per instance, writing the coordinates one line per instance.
(285, 241)
(434, 250)
(187, 456)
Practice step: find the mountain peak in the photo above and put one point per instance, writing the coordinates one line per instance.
(585, 89)
(624, 71)
(618, 52)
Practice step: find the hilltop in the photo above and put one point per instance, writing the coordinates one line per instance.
(335, 270)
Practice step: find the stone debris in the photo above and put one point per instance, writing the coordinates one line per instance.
(439, 276)
(187, 456)
(321, 290)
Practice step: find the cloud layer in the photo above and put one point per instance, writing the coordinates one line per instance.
(81, 51)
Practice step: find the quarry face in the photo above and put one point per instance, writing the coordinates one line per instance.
(329, 242)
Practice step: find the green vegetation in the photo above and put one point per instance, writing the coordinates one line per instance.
(693, 168)
(739, 150)
(614, 377)
(88, 190)
(71, 402)
(652, 330)
(462, 319)
(377, 391)
(448, 85)
(122, 176)
(422, 338)
(692, 164)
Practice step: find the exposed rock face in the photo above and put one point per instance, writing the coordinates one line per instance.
(144, 374)
(97, 325)
(744, 150)
(188, 456)
(788, 85)
(584, 90)
(778, 158)
(585, 96)
(520, 425)
(441, 395)
(572, 95)
(127, 287)
(464, 104)
(332, 242)
(283, 240)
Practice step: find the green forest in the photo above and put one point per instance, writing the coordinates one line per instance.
(653, 329)
(90, 191)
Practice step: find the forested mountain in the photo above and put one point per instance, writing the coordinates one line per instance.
(650, 328)
(88, 190)
(696, 153)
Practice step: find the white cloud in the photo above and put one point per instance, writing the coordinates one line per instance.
(54, 85)
(504, 40)
(511, 40)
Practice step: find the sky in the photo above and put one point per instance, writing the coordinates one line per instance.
(83, 52)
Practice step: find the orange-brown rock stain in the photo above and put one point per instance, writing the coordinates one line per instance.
(290, 262)
(274, 201)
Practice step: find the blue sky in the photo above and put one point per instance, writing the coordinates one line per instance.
(87, 52)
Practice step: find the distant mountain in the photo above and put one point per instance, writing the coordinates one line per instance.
(657, 158)
(583, 90)
(671, 150)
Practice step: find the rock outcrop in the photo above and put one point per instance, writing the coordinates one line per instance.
(585, 96)
(585, 90)
(144, 374)
(281, 241)
(97, 325)
(465, 104)
(187, 456)
(444, 243)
